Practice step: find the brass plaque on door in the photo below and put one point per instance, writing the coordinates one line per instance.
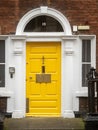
(43, 78)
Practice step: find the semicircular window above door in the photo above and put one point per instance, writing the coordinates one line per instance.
(43, 23)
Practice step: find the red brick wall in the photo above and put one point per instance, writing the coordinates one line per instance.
(78, 12)
(83, 104)
(3, 104)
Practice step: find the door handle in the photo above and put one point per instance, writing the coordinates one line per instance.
(30, 77)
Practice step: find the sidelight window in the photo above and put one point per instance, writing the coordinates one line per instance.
(86, 60)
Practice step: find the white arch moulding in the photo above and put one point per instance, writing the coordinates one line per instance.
(67, 44)
(44, 10)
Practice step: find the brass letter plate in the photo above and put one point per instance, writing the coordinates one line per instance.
(47, 78)
(43, 78)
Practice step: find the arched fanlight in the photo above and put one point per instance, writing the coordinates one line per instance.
(43, 23)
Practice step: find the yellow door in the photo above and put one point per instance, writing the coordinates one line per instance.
(43, 87)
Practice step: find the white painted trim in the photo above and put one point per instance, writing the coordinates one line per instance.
(3, 37)
(71, 88)
(4, 93)
(43, 10)
(79, 90)
(93, 56)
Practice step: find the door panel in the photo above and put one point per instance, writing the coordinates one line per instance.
(44, 98)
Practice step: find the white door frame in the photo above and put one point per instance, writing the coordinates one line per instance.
(67, 50)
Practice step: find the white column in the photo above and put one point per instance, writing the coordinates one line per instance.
(19, 76)
(67, 81)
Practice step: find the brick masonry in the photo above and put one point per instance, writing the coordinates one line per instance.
(78, 12)
(3, 104)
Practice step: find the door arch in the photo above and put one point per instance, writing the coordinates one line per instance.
(43, 10)
(62, 37)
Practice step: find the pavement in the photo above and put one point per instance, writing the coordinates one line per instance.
(35, 123)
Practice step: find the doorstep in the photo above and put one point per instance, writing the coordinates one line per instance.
(38, 123)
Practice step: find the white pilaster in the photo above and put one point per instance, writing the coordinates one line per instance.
(67, 81)
(19, 78)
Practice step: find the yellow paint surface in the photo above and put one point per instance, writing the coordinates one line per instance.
(44, 98)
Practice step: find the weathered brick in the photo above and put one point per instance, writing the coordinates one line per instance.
(3, 104)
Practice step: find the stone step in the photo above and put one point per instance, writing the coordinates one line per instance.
(44, 124)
